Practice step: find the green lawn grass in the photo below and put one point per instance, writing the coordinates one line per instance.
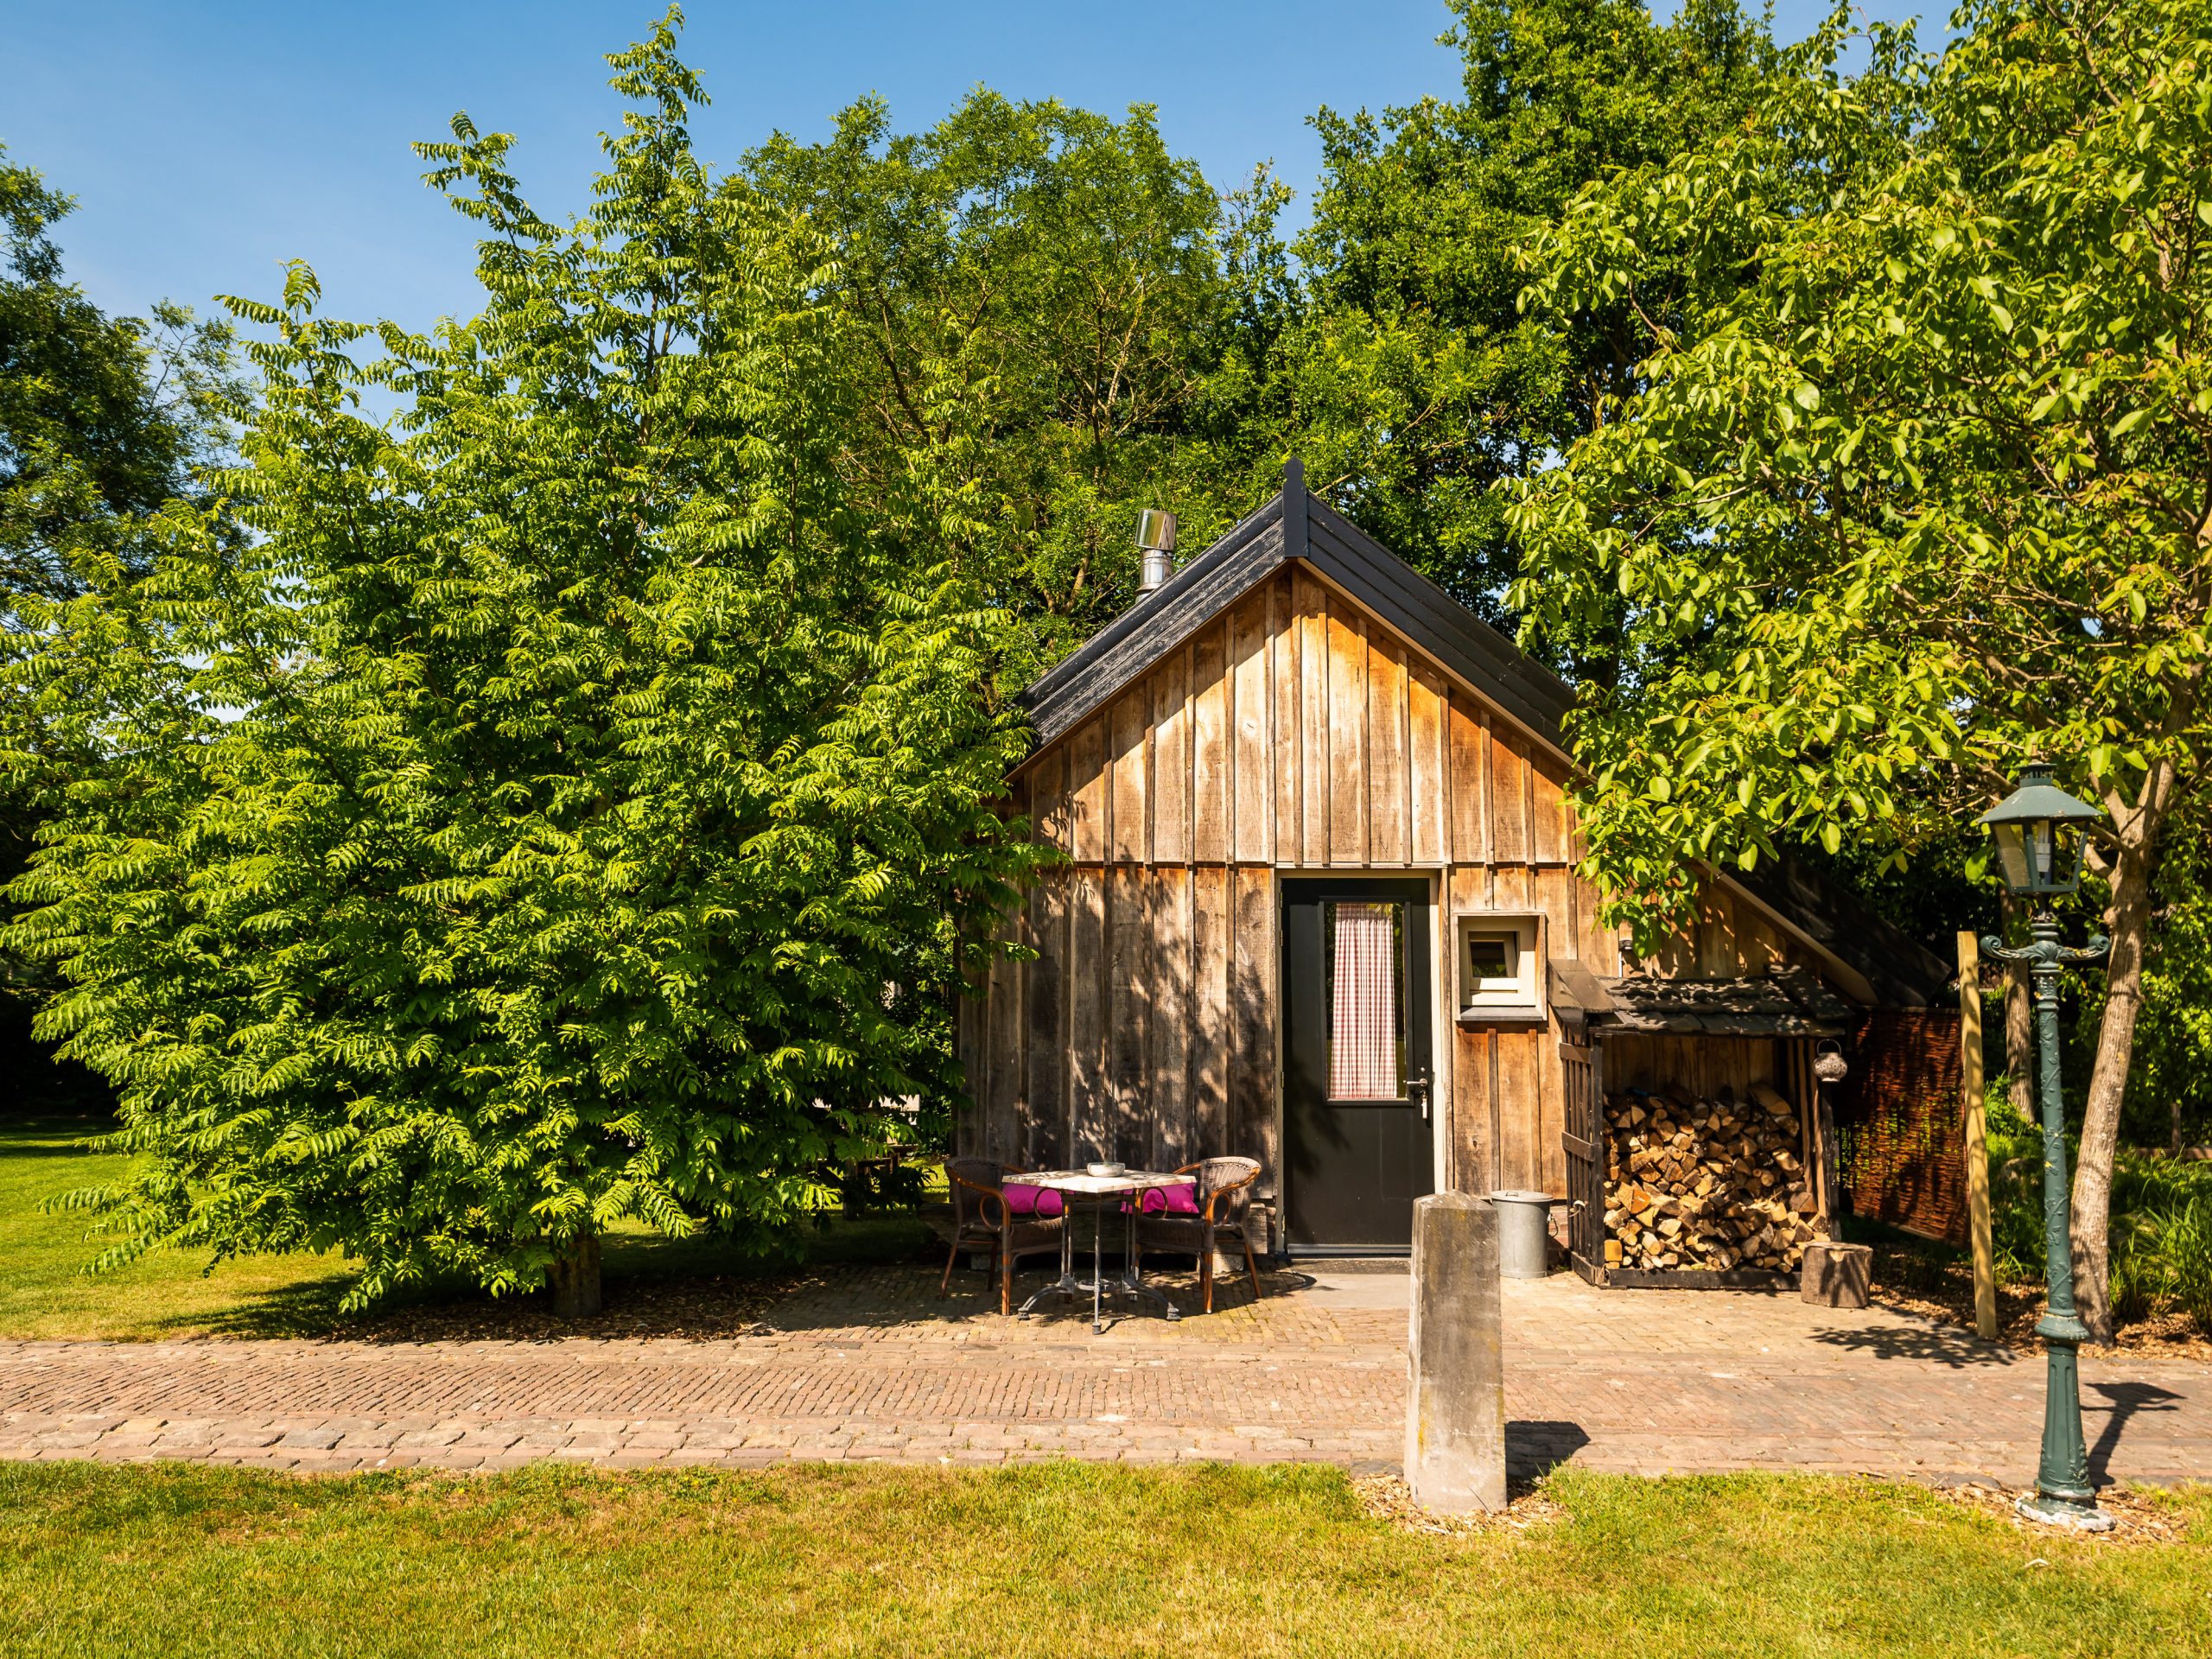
(45, 1292)
(179, 1560)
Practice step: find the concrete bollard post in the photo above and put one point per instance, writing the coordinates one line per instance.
(1455, 1416)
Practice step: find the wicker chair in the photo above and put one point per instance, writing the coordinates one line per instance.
(1222, 1196)
(982, 1220)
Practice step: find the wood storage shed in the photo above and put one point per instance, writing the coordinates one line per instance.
(1318, 872)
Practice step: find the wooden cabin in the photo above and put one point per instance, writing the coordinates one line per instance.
(1319, 891)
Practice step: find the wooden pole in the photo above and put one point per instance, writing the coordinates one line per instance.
(1970, 1085)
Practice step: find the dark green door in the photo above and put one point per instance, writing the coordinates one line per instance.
(1358, 1147)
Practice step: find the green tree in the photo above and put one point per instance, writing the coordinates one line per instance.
(1061, 313)
(102, 419)
(1411, 381)
(2169, 1097)
(102, 422)
(569, 803)
(1927, 496)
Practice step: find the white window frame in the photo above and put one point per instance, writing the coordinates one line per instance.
(1516, 997)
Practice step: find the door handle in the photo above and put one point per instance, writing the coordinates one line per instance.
(1417, 1090)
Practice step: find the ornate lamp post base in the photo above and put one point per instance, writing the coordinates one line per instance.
(2064, 1512)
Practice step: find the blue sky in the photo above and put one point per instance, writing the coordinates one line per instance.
(208, 143)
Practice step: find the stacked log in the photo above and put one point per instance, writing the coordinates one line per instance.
(1706, 1186)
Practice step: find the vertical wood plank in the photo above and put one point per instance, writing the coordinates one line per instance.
(1210, 765)
(1427, 759)
(1170, 759)
(1316, 762)
(1089, 1119)
(1551, 1112)
(1347, 734)
(1555, 897)
(1509, 794)
(1128, 930)
(1594, 943)
(1469, 1136)
(1252, 1014)
(1469, 829)
(1754, 944)
(1714, 946)
(1287, 745)
(1045, 1025)
(1386, 747)
(1050, 820)
(1130, 824)
(1488, 788)
(1517, 1116)
(1548, 823)
(1512, 888)
(1172, 1019)
(1254, 812)
(1211, 955)
(1520, 1109)
(1087, 786)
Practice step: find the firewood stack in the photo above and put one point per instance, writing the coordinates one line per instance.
(1705, 1185)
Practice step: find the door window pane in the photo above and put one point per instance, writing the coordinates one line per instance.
(1363, 945)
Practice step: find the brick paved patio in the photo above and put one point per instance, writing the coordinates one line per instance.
(869, 1364)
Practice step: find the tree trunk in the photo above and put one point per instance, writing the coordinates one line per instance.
(2129, 922)
(2019, 1029)
(574, 1277)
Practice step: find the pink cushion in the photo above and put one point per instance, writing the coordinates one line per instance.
(1024, 1200)
(1181, 1199)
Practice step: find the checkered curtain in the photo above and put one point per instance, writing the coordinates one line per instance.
(1363, 1023)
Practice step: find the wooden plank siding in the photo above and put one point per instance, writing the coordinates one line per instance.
(1298, 732)
(1294, 731)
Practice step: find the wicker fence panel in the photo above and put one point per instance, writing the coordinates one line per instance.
(1905, 1145)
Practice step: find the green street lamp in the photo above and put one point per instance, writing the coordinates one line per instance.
(2041, 833)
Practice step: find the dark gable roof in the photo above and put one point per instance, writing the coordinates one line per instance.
(1295, 525)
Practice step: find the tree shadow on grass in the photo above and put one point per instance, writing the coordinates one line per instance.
(50, 1135)
(303, 1310)
(654, 1288)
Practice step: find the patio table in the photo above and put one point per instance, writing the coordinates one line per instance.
(1080, 1186)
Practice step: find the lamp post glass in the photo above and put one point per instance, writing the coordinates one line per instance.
(2041, 833)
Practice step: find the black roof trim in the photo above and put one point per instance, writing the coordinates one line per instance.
(1059, 700)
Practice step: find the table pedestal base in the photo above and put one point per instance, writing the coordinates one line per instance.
(1128, 1282)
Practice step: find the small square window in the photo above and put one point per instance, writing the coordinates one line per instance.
(1498, 962)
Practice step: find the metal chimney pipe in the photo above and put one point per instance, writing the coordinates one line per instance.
(1156, 541)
